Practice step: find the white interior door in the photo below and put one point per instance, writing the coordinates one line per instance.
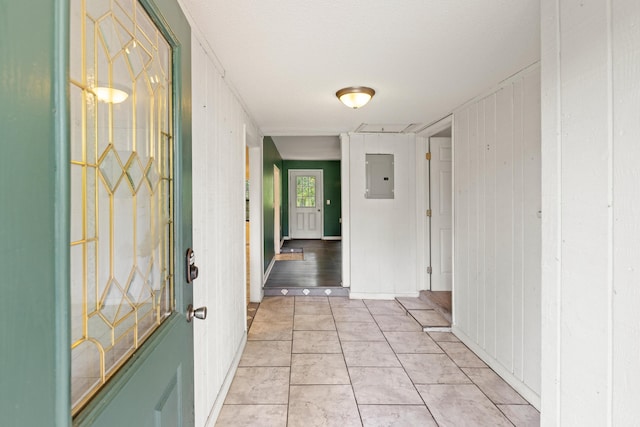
(440, 187)
(305, 204)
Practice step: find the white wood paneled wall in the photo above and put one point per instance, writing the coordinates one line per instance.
(382, 232)
(497, 236)
(591, 206)
(218, 232)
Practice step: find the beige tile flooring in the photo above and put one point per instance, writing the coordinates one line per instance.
(318, 361)
(427, 313)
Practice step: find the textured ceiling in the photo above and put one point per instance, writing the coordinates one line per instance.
(308, 147)
(286, 58)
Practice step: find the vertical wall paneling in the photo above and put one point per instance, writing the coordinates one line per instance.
(585, 71)
(590, 252)
(382, 231)
(497, 230)
(531, 232)
(504, 225)
(461, 188)
(490, 225)
(518, 226)
(480, 220)
(472, 224)
(219, 124)
(551, 191)
(625, 17)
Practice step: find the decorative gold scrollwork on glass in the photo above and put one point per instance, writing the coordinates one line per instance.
(121, 187)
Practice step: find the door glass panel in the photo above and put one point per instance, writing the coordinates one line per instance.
(306, 192)
(122, 187)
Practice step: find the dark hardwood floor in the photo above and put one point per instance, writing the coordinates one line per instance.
(322, 265)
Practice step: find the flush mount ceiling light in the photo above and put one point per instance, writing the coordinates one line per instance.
(355, 96)
(110, 95)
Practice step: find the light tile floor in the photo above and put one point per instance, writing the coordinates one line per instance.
(424, 312)
(318, 361)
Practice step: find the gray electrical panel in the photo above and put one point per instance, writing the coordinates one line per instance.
(379, 176)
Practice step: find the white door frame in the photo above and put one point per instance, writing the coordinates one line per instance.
(319, 197)
(441, 213)
(345, 214)
(422, 200)
(277, 188)
(256, 218)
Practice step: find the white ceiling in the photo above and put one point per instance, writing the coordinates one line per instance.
(286, 58)
(308, 147)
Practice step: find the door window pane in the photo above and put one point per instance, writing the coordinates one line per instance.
(122, 184)
(306, 191)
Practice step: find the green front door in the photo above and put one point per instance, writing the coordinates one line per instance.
(133, 293)
(132, 348)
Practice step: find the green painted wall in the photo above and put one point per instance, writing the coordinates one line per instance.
(34, 200)
(270, 157)
(331, 188)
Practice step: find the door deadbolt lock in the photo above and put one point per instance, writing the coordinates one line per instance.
(191, 269)
(198, 313)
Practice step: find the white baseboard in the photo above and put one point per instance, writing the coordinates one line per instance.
(266, 273)
(365, 295)
(226, 385)
(261, 297)
(517, 384)
(437, 329)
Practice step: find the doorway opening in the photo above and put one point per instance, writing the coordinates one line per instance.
(439, 219)
(255, 218)
(309, 259)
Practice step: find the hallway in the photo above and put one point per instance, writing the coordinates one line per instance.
(321, 265)
(318, 361)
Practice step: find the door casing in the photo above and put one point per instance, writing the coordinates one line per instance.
(34, 188)
(441, 219)
(277, 201)
(423, 235)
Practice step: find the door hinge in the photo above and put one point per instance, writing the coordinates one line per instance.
(429, 270)
(428, 156)
(429, 213)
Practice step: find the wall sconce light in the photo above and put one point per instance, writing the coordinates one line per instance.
(355, 96)
(110, 95)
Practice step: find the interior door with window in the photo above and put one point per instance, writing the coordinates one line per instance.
(131, 347)
(305, 204)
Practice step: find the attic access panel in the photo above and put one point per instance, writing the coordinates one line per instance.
(379, 171)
